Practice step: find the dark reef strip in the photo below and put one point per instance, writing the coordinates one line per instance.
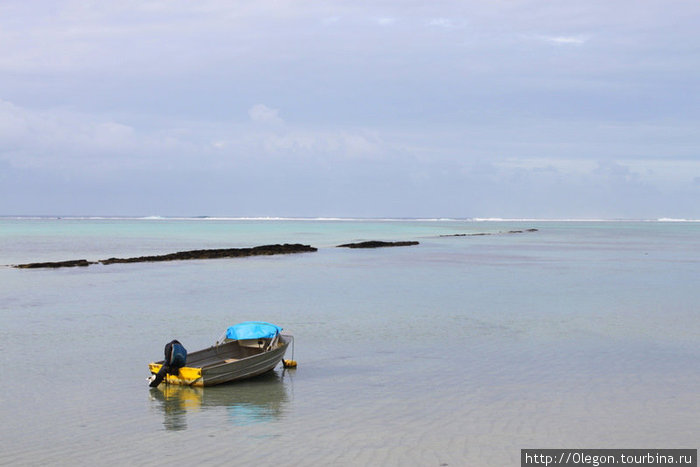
(465, 235)
(486, 233)
(521, 231)
(264, 250)
(56, 264)
(375, 244)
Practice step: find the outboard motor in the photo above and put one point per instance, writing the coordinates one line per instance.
(175, 358)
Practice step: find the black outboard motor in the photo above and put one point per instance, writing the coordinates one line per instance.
(175, 358)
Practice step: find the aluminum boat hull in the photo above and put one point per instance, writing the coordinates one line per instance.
(227, 362)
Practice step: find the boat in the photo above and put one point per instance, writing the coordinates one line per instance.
(245, 350)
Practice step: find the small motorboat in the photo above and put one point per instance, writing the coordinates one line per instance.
(245, 350)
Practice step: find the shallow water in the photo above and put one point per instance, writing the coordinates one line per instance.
(458, 351)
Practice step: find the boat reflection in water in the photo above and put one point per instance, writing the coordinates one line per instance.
(260, 399)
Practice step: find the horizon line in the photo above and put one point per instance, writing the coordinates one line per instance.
(332, 218)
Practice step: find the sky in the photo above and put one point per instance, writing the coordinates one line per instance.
(277, 108)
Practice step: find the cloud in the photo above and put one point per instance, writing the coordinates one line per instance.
(71, 142)
(68, 140)
(565, 40)
(260, 113)
(549, 93)
(330, 20)
(657, 172)
(444, 23)
(326, 145)
(385, 21)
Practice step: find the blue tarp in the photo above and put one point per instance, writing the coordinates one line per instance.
(252, 330)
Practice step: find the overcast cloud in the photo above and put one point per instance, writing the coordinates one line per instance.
(522, 108)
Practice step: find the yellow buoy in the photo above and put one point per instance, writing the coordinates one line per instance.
(289, 363)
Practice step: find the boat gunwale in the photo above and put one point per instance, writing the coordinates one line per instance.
(280, 346)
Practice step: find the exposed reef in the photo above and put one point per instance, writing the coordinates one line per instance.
(264, 250)
(56, 264)
(487, 233)
(466, 235)
(376, 244)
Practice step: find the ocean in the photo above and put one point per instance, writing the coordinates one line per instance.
(488, 337)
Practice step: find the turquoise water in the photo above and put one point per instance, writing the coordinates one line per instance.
(458, 351)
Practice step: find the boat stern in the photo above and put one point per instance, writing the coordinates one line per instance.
(186, 376)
